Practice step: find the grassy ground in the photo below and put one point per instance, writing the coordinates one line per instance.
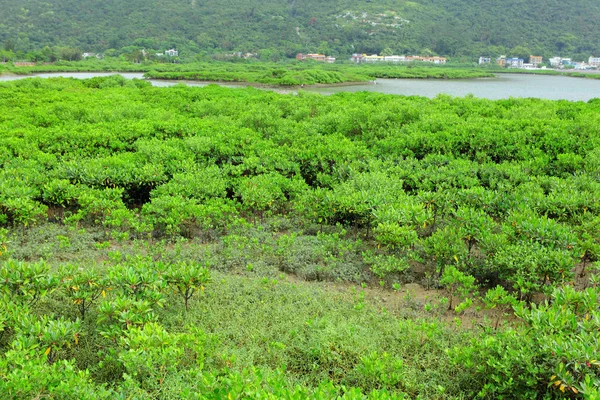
(267, 319)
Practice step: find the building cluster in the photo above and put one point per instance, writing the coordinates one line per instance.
(515, 62)
(559, 62)
(168, 53)
(537, 61)
(594, 62)
(144, 53)
(363, 58)
(316, 57)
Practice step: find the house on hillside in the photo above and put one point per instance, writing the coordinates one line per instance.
(594, 62)
(357, 58)
(435, 59)
(373, 58)
(363, 58)
(316, 57)
(515, 62)
(536, 60)
(567, 62)
(554, 61)
(172, 53)
(501, 61)
(394, 59)
(485, 60)
(360, 58)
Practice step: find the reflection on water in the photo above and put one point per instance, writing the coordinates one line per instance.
(501, 87)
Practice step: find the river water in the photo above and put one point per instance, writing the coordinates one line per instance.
(503, 86)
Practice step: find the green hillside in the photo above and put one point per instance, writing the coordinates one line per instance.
(280, 28)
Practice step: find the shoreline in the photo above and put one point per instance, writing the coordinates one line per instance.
(272, 76)
(257, 85)
(11, 75)
(586, 74)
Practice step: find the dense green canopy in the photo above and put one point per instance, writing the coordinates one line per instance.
(159, 242)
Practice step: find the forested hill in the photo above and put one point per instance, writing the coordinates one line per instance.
(280, 28)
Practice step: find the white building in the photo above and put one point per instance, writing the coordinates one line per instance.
(434, 59)
(594, 62)
(485, 60)
(555, 61)
(566, 61)
(363, 58)
(171, 53)
(373, 58)
(394, 59)
(514, 62)
(357, 58)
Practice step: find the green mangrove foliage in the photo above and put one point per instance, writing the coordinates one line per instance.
(132, 345)
(289, 73)
(310, 73)
(495, 203)
(505, 190)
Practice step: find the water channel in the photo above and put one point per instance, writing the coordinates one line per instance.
(501, 87)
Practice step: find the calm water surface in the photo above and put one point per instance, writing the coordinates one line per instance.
(502, 87)
(128, 75)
